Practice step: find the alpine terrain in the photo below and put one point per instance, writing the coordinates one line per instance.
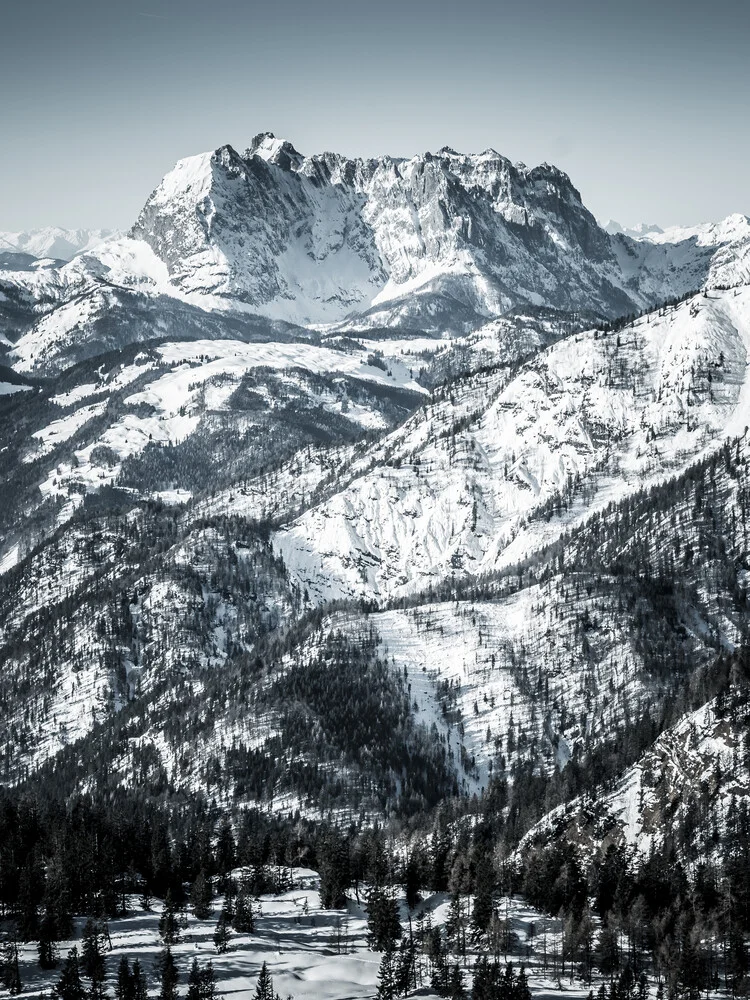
(374, 590)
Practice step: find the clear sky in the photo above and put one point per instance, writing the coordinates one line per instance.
(645, 103)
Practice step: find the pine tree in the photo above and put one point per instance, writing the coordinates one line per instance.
(457, 988)
(124, 989)
(386, 977)
(194, 981)
(440, 980)
(140, 985)
(485, 879)
(26, 902)
(47, 946)
(168, 975)
(208, 982)
(264, 988)
(225, 848)
(201, 896)
(10, 974)
(333, 862)
(406, 967)
(383, 924)
(169, 929)
(523, 991)
(92, 956)
(69, 986)
(244, 917)
(222, 933)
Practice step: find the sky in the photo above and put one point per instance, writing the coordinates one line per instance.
(643, 102)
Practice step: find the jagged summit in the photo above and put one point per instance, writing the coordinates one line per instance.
(434, 243)
(637, 232)
(278, 151)
(438, 240)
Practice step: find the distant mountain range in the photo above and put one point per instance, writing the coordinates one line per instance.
(55, 243)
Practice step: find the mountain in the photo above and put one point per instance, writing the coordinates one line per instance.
(458, 489)
(638, 232)
(387, 516)
(423, 240)
(509, 490)
(439, 243)
(53, 242)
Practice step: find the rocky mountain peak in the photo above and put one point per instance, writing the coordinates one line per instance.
(280, 152)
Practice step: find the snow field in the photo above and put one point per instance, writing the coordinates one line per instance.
(310, 952)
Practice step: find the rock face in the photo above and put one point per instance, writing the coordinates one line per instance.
(440, 243)
(436, 240)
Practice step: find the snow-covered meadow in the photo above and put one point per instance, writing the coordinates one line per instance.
(310, 952)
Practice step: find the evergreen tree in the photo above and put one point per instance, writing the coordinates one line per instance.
(383, 924)
(440, 979)
(47, 946)
(412, 879)
(335, 877)
(140, 985)
(225, 848)
(406, 967)
(222, 933)
(208, 981)
(456, 986)
(194, 981)
(29, 892)
(387, 989)
(92, 955)
(168, 975)
(483, 903)
(244, 917)
(169, 928)
(69, 986)
(125, 986)
(10, 974)
(264, 987)
(201, 896)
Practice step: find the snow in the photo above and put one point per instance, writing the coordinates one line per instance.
(184, 380)
(60, 430)
(310, 952)
(367, 244)
(674, 774)
(6, 388)
(173, 498)
(235, 357)
(53, 242)
(616, 411)
(709, 234)
(73, 396)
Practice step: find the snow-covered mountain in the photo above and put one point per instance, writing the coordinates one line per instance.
(637, 232)
(459, 487)
(441, 238)
(411, 444)
(439, 243)
(55, 243)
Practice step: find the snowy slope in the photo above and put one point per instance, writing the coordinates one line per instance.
(75, 435)
(697, 768)
(456, 489)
